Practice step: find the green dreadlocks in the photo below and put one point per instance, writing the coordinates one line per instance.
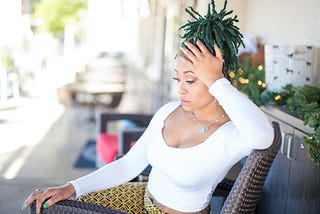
(215, 28)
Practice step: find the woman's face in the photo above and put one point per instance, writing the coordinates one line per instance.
(193, 93)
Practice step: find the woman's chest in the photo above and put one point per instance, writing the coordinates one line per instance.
(183, 134)
(196, 163)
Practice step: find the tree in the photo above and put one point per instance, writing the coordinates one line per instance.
(57, 14)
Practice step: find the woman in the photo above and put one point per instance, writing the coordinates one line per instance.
(191, 143)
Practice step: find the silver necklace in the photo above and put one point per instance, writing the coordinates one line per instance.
(206, 128)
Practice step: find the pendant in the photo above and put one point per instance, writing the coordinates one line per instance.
(204, 129)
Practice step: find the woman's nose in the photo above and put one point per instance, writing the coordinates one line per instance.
(181, 88)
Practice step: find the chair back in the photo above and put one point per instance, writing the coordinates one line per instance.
(246, 191)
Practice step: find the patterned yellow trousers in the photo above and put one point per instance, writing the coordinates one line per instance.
(129, 197)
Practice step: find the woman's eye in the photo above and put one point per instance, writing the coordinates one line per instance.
(190, 81)
(179, 80)
(176, 79)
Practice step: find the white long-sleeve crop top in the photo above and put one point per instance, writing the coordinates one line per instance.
(184, 178)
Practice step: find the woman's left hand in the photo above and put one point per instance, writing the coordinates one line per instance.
(206, 66)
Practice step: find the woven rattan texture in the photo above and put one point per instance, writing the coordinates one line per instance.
(247, 189)
(75, 207)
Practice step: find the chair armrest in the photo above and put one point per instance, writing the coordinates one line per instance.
(140, 119)
(75, 207)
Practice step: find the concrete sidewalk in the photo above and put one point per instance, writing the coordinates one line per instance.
(30, 163)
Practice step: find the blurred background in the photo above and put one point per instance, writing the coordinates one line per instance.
(64, 61)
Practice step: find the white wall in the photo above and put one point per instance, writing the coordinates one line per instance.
(283, 22)
(279, 22)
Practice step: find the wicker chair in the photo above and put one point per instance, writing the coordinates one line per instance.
(246, 191)
(243, 196)
(75, 207)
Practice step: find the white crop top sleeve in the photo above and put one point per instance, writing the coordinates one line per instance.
(251, 123)
(123, 169)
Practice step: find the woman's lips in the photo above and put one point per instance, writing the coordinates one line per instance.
(184, 102)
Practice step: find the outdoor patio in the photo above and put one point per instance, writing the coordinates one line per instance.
(41, 140)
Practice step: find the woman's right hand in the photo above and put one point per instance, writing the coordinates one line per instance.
(206, 66)
(48, 196)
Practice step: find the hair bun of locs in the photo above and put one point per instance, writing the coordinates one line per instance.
(215, 28)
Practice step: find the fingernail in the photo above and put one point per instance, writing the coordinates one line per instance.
(45, 205)
(23, 206)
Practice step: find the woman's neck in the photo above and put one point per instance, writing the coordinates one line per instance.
(209, 112)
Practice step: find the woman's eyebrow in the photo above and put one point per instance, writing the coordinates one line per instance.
(185, 72)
